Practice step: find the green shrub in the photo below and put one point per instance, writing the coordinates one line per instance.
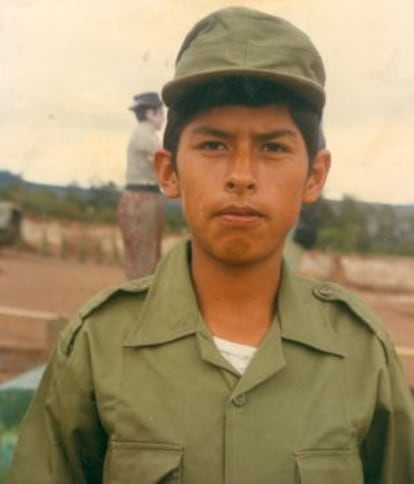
(13, 405)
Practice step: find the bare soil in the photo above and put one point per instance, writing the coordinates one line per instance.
(41, 283)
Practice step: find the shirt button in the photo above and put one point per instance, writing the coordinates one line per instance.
(240, 400)
(326, 291)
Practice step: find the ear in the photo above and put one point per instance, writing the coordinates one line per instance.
(166, 173)
(317, 176)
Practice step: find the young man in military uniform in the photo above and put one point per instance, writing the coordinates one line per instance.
(225, 367)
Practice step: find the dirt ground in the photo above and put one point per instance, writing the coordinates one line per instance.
(48, 284)
(36, 288)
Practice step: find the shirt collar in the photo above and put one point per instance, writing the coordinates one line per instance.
(171, 311)
(301, 316)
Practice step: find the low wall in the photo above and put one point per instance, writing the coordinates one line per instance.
(383, 273)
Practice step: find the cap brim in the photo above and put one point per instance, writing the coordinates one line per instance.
(303, 88)
(148, 105)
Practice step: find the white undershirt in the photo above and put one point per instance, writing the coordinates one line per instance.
(238, 355)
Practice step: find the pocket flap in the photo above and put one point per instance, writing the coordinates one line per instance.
(143, 463)
(329, 466)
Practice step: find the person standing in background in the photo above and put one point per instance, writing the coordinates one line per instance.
(139, 213)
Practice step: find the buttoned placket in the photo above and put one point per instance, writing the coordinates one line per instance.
(267, 361)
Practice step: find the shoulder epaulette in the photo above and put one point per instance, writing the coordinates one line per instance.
(69, 334)
(134, 286)
(332, 292)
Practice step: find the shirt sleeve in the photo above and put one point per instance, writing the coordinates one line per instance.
(388, 449)
(61, 438)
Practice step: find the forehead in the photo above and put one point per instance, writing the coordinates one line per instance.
(241, 118)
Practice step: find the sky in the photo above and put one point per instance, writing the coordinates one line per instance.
(69, 68)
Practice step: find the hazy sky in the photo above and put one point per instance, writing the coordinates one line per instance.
(68, 69)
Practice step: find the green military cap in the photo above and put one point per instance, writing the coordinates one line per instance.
(241, 41)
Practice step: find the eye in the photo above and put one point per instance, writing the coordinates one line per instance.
(274, 147)
(212, 146)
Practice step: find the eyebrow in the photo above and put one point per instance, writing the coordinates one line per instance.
(279, 133)
(218, 133)
(210, 131)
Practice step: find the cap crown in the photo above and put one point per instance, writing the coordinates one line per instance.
(238, 40)
(147, 99)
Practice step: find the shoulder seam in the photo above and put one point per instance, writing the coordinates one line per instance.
(135, 286)
(332, 292)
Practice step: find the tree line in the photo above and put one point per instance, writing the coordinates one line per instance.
(96, 204)
(354, 226)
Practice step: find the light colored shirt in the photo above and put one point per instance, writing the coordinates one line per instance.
(236, 354)
(142, 145)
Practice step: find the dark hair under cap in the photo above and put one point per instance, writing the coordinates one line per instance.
(242, 90)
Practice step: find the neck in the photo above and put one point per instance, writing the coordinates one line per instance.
(237, 302)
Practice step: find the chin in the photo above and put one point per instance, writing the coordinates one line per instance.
(241, 254)
(237, 249)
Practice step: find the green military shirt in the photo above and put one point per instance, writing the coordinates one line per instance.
(137, 392)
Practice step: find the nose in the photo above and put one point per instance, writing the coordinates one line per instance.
(241, 178)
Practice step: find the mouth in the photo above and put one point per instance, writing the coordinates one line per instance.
(239, 214)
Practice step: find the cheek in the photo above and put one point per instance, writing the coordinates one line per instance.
(288, 187)
(196, 185)
(287, 196)
(194, 203)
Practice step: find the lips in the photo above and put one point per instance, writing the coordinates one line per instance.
(239, 210)
(239, 214)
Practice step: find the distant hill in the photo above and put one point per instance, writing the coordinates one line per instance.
(9, 178)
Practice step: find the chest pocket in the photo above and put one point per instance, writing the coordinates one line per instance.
(329, 466)
(143, 463)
